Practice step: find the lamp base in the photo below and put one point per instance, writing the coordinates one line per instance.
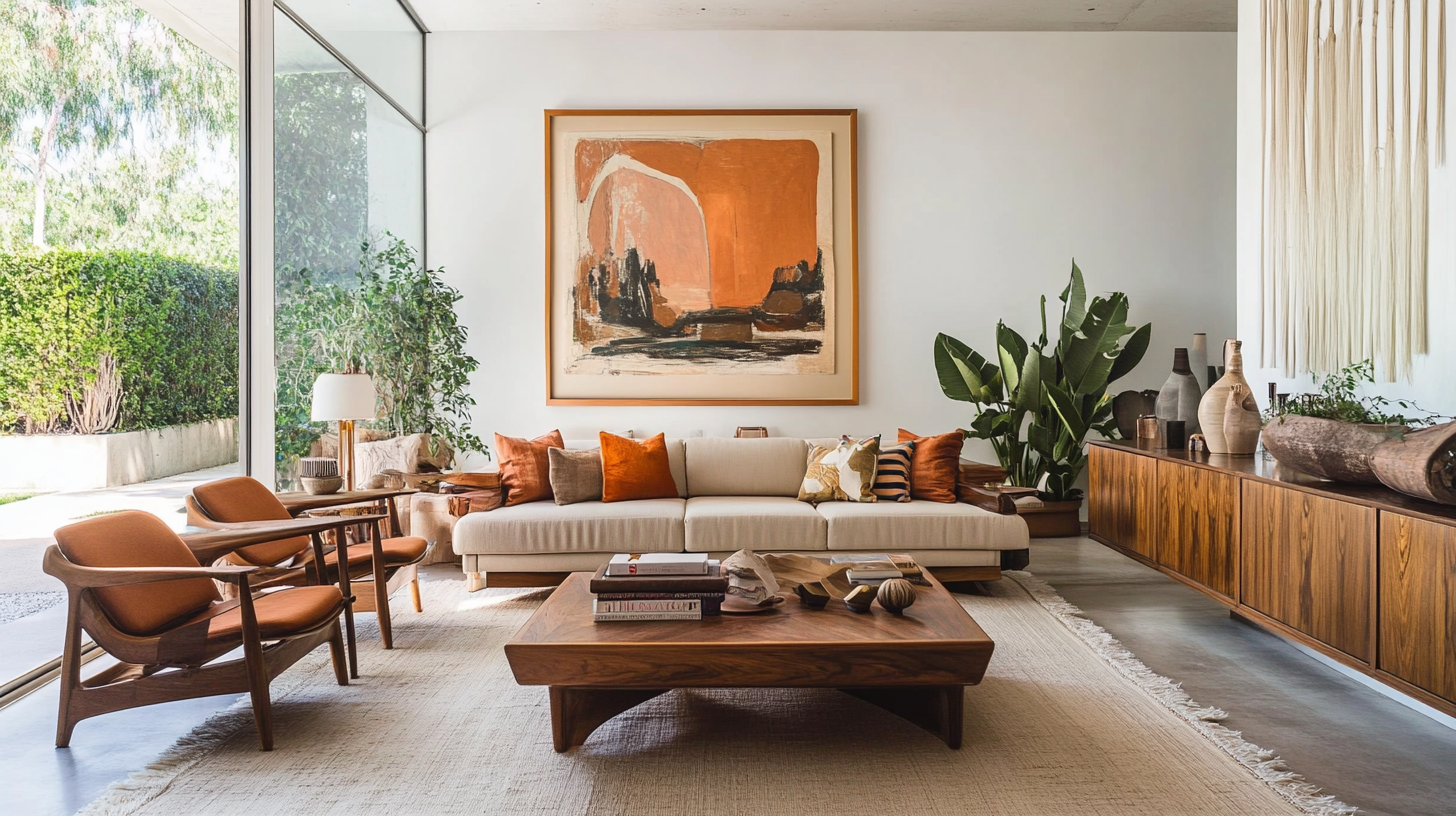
(346, 452)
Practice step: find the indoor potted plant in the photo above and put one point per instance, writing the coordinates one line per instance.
(1056, 392)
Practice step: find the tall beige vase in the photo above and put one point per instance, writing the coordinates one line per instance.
(1214, 405)
(1241, 422)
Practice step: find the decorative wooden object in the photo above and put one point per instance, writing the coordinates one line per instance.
(1128, 406)
(1326, 564)
(1241, 422)
(1212, 408)
(896, 595)
(1327, 448)
(1423, 464)
(860, 598)
(915, 666)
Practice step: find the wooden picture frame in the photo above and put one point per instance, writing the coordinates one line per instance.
(654, 296)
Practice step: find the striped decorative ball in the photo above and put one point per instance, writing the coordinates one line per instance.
(896, 594)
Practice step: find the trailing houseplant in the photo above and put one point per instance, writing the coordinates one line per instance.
(1055, 392)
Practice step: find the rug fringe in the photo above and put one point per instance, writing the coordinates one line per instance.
(1263, 763)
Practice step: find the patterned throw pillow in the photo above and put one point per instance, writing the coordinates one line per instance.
(892, 474)
(845, 472)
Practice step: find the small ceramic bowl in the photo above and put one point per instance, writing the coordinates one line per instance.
(322, 485)
(860, 598)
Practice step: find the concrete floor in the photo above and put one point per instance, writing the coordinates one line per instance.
(1357, 744)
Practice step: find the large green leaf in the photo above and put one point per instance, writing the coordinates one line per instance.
(1089, 354)
(1072, 421)
(1132, 353)
(958, 379)
(1075, 299)
(1012, 350)
(1028, 398)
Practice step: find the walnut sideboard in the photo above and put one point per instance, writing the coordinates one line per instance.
(1362, 574)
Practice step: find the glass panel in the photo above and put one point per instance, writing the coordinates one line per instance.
(379, 38)
(348, 174)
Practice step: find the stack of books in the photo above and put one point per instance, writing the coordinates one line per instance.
(658, 586)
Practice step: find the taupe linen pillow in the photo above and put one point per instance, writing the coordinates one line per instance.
(576, 475)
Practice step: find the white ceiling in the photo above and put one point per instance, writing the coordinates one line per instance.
(213, 24)
(843, 15)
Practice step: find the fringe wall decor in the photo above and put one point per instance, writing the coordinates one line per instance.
(1346, 180)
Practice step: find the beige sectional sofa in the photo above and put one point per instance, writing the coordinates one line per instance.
(732, 494)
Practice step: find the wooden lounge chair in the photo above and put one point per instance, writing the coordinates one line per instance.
(389, 562)
(142, 596)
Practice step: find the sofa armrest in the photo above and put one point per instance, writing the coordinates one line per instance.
(986, 498)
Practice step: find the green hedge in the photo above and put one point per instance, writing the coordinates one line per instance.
(172, 327)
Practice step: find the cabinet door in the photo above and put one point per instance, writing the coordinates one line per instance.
(1307, 561)
(1198, 528)
(1121, 490)
(1418, 602)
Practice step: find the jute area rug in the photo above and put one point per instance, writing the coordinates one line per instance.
(1066, 722)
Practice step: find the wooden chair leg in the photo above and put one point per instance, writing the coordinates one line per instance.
(70, 670)
(381, 588)
(415, 594)
(337, 655)
(257, 668)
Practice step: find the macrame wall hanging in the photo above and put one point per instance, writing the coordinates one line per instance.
(1346, 196)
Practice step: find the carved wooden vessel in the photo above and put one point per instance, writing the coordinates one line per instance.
(1326, 448)
(1422, 464)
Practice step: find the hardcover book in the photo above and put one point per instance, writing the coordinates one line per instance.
(658, 564)
(714, 582)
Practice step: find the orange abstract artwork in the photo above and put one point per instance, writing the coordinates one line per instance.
(702, 254)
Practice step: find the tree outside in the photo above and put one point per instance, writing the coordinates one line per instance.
(116, 134)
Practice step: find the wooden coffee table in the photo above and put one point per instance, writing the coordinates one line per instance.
(916, 665)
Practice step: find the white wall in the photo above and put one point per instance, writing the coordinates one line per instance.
(987, 161)
(1433, 383)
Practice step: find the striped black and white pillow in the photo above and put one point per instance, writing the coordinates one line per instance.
(892, 475)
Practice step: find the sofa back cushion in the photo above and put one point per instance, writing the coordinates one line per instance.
(635, 470)
(746, 467)
(675, 460)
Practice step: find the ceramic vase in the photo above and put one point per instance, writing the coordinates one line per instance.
(1241, 422)
(1212, 409)
(1179, 397)
(1198, 361)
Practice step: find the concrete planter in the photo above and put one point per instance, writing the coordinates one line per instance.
(81, 461)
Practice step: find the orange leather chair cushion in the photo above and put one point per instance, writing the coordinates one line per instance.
(136, 539)
(397, 551)
(635, 470)
(243, 498)
(525, 469)
(280, 613)
(935, 468)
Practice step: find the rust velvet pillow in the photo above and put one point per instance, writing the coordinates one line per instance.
(525, 467)
(635, 470)
(935, 466)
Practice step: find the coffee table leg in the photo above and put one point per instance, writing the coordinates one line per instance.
(576, 712)
(938, 709)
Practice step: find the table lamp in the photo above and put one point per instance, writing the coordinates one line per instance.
(344, 398)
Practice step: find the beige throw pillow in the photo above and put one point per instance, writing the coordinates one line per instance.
(845, 472)
(576, 475)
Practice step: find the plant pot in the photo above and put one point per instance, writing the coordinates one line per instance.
(1053, 519)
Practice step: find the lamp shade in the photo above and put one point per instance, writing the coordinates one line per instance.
(343, 396)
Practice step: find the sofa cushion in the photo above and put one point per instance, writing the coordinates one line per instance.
(920, 525)
(576, 475)
(651, 525)
(525, 470)
(731, 523)
(676, 461)
(745, 467)
(632, 471)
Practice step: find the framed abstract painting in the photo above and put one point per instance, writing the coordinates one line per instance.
(701, 258)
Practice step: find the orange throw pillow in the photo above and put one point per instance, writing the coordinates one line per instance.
(635, 470)
(525, 468)
(936, 465)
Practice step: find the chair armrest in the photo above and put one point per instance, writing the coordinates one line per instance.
(76, 576)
